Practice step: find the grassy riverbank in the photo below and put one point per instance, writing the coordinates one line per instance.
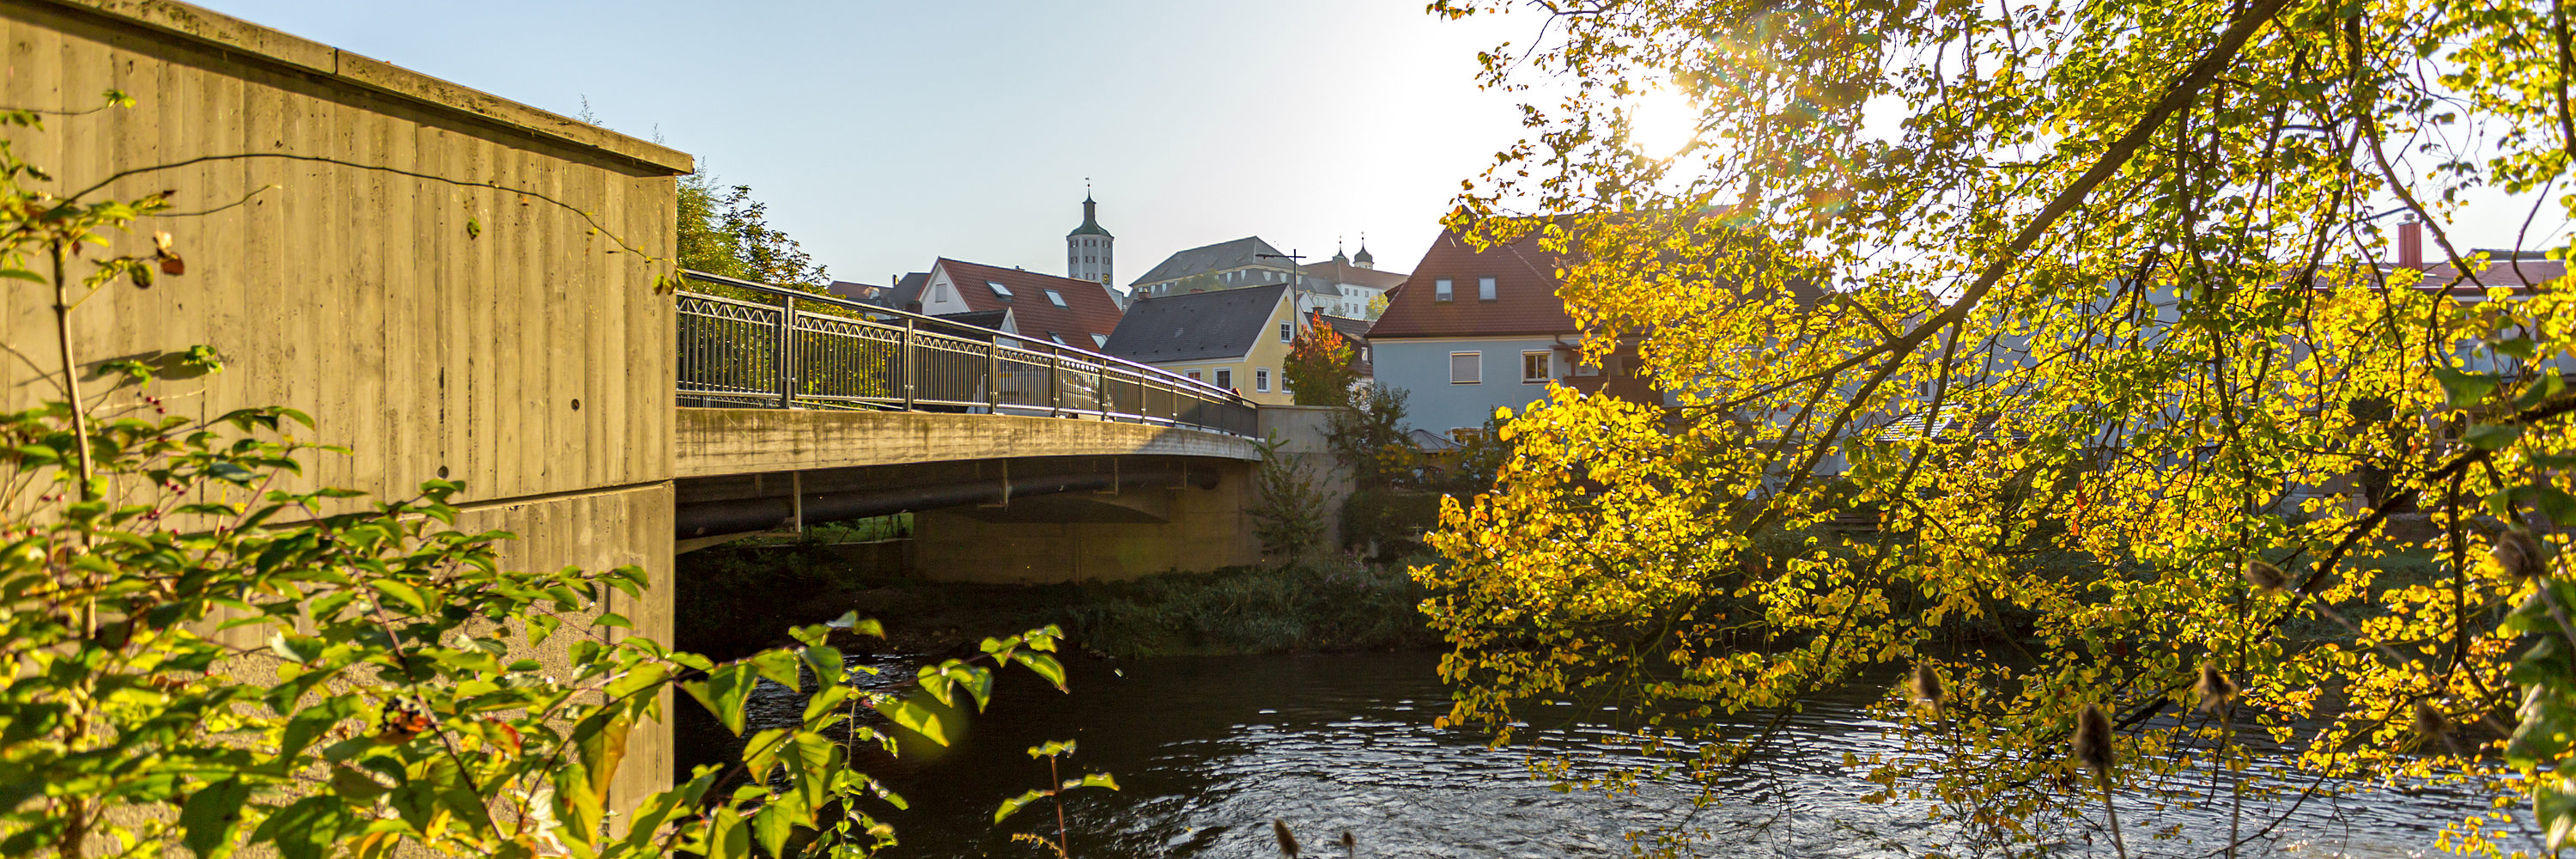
(733, 600)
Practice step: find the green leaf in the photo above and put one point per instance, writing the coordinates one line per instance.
(779, 666)
(723, 693)
(210, 816)
(1044, 665)
(2493, 437)
(922, 720)
(1013, 805)
(304, 830)
(773, 824)
(2464, 388)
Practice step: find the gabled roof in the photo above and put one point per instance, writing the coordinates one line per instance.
(1199, 326)
(859, 292)
(1087, 308)
(998, 320)
(1216, 257)
(1355, 330)
(1524, 292)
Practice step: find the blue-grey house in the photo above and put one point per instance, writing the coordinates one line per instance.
(1470, 332)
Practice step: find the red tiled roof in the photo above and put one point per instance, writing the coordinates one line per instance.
(1088, 309)
(1524, 302)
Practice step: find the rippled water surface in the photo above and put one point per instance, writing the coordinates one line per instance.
(1209, 750)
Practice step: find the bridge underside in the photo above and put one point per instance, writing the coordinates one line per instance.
(997, 498)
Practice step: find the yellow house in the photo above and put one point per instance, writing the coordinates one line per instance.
(1233, 339)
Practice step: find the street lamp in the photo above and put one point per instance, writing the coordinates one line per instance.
(1292, 257)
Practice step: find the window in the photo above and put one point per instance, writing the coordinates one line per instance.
(1287, 331)
(1440, 290)
(1225, 379)
(1055, 297)
(1364, 353)
(1100, 341)
(1484, 289)
(1466, 368)
(999, 290)
(1194, 375)
(941, 293)
(1058, 338)
(1465, 435)
(1261, 380)
(1534, 368)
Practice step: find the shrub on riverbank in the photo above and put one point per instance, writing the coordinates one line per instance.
(1340, 606)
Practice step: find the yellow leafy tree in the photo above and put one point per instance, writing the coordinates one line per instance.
(2083, 303)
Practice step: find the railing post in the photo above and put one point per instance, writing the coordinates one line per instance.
(992, 377)
(1055, 383)
(910, 355)
(786, 350)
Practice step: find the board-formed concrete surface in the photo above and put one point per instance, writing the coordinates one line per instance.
(718, 442)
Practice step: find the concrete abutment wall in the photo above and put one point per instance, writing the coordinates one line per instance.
(370, 275)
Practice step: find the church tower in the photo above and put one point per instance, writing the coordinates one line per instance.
(1086, 249)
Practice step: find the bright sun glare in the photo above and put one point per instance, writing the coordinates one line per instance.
(1662, 122)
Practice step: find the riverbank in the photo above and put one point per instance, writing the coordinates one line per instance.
(740, 599)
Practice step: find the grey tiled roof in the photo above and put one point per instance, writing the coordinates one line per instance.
(1199, 326)
(1216, 257)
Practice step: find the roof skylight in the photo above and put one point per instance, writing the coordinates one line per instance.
(998, 288)
(1056, 297)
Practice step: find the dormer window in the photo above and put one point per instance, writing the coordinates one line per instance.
(999, 291)
(1055, 297)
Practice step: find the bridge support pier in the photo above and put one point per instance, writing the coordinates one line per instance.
(1080, 537)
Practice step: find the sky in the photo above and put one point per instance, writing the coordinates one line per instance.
(883, 135)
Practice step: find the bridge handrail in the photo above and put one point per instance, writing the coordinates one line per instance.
(737, 352)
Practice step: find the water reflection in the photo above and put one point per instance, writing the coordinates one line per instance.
(1211, 749)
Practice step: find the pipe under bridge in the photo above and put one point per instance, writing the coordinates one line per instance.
(1025, 461)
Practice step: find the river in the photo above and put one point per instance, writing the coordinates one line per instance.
(1210, 750)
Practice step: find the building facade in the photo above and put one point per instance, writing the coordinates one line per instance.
(1471, 332)
(1234, 339)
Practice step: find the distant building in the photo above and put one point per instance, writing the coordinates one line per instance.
(901, 295)
(1341, 286)
(1043, 307)
(1235, 339)
(1086, 249)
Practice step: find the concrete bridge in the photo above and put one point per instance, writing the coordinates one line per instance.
(1028, 461)
(461, 287)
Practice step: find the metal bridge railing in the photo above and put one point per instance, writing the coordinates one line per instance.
(751, 345)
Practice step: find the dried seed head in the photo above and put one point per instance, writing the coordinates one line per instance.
(2429, 721)
(2265, 577)
(2093, 738)
(2518, 554)
(1925, 686)
(1287, 841)
(2214, 688)
(1349, 844)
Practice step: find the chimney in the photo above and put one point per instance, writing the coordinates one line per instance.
(2410, 245)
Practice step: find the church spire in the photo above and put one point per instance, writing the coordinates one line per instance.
(1086, 249)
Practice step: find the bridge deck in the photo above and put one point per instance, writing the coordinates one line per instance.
(716, 442)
